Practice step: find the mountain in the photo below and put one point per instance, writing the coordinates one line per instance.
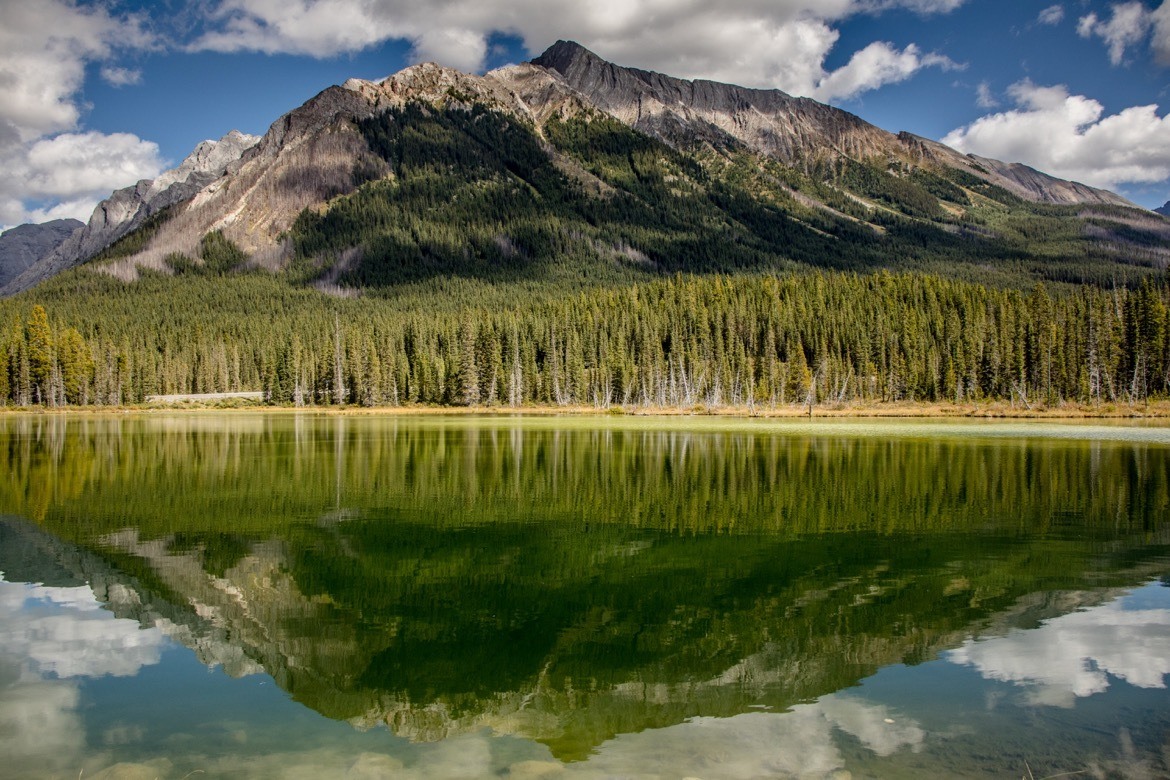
(22, 246)
(597, 171)
(796, 131)
(1164, 210)
(133, 208)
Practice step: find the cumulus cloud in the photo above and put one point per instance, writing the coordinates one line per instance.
(50, 639)
(1073, 656)
(1053, 14)
(874, 66)
(781, 44)
(1069, 136)
(45, 46)
(1126, 27)
(43, 732)
(73, 163)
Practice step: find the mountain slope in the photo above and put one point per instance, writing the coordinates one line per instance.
(22, 246)
(570, 168)
(1164, 210)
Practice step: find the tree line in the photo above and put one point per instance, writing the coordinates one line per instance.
(682, 341)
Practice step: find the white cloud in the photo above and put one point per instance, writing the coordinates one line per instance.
(1126, 27)
(1053, 14)
(779, 44)
(984, 97)
(877, 64)
(121, 77)
(51, 638)
(461, 49)
(45, 46)
(1069, 136)
(73, 163)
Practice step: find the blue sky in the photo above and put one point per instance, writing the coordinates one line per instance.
(95, 95)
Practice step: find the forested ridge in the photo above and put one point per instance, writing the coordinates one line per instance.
(484, 263)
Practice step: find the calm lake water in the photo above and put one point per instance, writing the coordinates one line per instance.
(284, 595)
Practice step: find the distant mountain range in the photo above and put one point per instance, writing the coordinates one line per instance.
(1164, 210)
(591, 160)
(22, 246)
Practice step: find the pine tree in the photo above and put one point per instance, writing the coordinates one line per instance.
(5, 375)
(39, 337)
(76, 362)
(469, 393)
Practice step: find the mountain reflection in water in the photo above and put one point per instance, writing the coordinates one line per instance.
(510, 597)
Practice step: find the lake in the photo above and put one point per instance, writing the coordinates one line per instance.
(287, 595)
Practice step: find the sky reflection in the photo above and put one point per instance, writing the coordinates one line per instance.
(1074, 655)
(51, 638)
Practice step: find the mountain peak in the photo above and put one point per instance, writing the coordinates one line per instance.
(562, 54)
(1164, 210)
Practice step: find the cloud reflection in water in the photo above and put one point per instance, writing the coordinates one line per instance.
(1073, 656)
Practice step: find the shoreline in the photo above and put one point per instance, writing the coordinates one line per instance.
(1002, 410)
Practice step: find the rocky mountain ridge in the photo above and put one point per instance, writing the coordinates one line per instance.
(253, 189)
(796, 131)
(1164, 210)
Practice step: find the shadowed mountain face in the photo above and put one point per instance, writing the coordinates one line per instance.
(1164, 210)
(613, 171)
(565, 584)
(22, 246)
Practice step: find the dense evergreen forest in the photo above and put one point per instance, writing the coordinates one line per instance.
(679, 341)
(482, 263)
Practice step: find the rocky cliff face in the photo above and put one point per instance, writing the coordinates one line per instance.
(770, 122)
(22, 246)
(795, 131)
(1164, 210)
(128, 208)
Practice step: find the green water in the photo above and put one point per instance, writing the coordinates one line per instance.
(266, 595)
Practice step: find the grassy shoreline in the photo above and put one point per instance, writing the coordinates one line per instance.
(1159, 409)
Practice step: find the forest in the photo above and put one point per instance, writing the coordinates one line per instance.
(681, 341)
